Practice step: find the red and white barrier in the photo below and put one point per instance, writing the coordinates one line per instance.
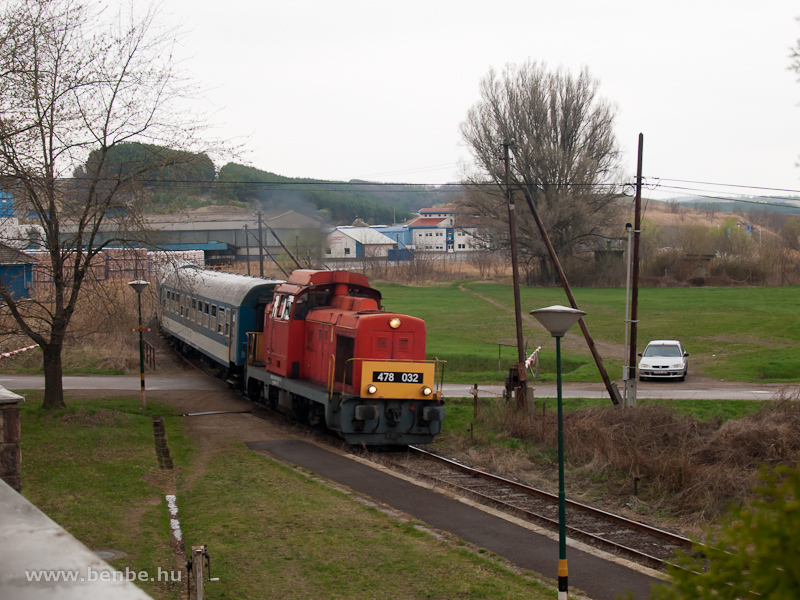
(20, 351)
(532, 358)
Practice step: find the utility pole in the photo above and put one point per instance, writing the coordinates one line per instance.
(611, 387)
(263, 251)
(630, 384)
(519, 379)
(277, 239)
(261, 248)
(247, 245)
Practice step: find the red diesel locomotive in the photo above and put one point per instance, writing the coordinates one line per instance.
(329, 355)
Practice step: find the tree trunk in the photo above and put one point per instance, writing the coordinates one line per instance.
(53, 385)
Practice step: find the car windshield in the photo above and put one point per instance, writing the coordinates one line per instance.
(658, 350)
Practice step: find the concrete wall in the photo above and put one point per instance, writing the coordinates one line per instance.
(33, 544)
(10, 454)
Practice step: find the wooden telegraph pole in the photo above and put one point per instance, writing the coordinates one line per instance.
(518, 379)
(630, 384)
(261, 247)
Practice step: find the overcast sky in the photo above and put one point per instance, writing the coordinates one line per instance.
(344, 89)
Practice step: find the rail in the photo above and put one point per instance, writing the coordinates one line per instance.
(622, 522)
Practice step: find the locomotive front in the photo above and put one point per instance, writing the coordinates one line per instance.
(335, 356)
(394, 392)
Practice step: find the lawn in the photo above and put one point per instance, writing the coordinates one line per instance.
(91, 468)
(733, 334)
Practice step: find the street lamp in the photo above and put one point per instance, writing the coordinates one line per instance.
(139, 286)
(557, 320)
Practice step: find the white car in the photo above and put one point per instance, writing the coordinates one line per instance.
(664, 359)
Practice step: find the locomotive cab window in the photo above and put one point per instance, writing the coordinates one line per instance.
(277, 306)
(310, 300)
(287, 308)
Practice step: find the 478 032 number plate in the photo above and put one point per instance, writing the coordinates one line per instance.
(396, 377)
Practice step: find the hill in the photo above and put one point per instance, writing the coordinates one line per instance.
(341, 201)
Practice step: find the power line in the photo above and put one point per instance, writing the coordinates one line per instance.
(734, 185)
(701, 194)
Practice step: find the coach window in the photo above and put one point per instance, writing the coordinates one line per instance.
(194, 309)
(221, 320)
(205, 314)
(213, 322)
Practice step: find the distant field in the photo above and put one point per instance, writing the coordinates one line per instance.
(733, 334)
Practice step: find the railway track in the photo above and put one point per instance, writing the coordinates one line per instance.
(642, 543)
(636, 541)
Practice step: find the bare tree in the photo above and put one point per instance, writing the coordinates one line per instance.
(565, 158)
(72, 91)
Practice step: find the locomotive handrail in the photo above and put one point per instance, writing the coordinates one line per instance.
(253, 346)
(331, 376)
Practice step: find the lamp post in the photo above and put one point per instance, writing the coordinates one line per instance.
(139, 286)
(557, 320)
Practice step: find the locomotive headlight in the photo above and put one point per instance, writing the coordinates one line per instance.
(394, 323)
(371, 389)
(426, 391)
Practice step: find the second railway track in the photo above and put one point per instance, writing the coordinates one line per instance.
(636, 541)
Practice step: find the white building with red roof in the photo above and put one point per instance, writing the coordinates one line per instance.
(441, 230)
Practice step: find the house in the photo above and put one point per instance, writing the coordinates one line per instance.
(443, 230)
(357, 242)
(16, 271)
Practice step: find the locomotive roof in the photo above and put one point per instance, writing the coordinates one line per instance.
(224, 287)
(312, 277)
(304, 279)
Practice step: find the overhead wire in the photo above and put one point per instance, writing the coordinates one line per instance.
(652, 184)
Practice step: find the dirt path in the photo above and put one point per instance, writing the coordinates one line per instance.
(215, 432)
(573, 342)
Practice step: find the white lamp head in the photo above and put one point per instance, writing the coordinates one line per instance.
(557, 319)
(139, 285)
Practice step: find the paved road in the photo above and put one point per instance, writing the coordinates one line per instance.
(672, 390)
(690, 390)
(192, 381)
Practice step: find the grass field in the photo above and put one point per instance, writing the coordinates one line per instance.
(272, 532)
(733, 334)
(91, 468)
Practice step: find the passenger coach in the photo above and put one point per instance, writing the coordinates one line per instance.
(212, 312)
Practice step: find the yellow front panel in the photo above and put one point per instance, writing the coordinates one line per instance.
(396, 379)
